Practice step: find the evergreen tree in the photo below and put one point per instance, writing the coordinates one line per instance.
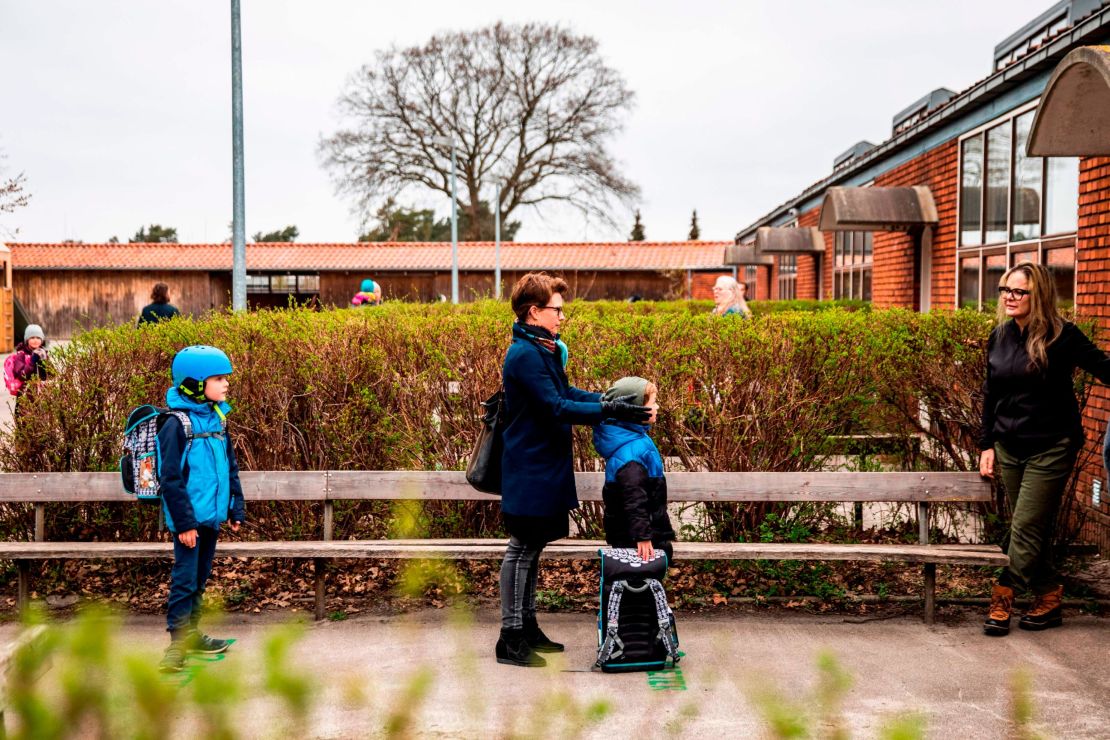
(637, 229)
(288, 234)
(695, 232)
(155, 234)
(399, 224)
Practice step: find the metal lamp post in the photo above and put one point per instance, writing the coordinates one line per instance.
(238, 229)
(497, 241)
(449, 141)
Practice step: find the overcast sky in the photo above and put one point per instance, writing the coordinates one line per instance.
(118, 111)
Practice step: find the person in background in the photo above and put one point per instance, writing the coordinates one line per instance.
(159, 308)
(369, 294)
(27, 363)
(728, 297)
(1031, 435)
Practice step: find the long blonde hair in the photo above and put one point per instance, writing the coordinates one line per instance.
(1045, 321)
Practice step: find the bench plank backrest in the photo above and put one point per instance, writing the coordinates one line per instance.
(350, 485)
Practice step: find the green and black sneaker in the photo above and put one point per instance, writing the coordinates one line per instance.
(198, 642)
(173, 661)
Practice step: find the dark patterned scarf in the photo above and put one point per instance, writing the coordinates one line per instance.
(542, 337)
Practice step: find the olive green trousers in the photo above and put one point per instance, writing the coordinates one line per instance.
(1034, 486)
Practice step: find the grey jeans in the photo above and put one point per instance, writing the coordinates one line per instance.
(518, 584)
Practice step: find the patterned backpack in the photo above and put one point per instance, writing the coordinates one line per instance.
(635, 626)
(141, 461)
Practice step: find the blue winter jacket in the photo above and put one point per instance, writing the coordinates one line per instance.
(537, 468)
(635, 492)
(202, 488)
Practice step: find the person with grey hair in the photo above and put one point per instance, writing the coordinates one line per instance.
(729, 298)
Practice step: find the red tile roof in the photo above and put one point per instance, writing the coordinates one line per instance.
(377, 256)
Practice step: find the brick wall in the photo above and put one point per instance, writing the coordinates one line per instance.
(1092, 277)
(808, 265)
(893, 271)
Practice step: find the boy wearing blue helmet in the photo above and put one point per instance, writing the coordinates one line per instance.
(199, 478)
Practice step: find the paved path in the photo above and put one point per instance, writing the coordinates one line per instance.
(952, 674)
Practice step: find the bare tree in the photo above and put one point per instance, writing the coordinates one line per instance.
(11, 191)
(531, 107)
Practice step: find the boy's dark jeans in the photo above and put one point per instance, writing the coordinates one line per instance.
(191, 568)
(1035, 486)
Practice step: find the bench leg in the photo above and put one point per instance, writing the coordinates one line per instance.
(930, 592)
(23, 595)
(319, 565)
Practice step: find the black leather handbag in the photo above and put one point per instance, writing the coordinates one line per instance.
(483, 472)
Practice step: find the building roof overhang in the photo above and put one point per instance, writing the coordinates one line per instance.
(788, 240)
(878, 209)
(746, 254)
(1073, 119)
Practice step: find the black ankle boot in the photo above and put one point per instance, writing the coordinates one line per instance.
(513, 649)
(540, 642)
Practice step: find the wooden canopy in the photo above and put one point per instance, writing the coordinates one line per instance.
(878, 209)
(746, 254)
(1073, 119)
(789, 240)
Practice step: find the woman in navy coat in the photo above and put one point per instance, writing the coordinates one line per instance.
(537, 478)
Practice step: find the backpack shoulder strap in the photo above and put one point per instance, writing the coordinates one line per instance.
(667, 634)
(613, 646)
(186, 422)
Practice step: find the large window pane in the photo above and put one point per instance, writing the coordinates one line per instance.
(1062, 196)
(1026, 214)
(868, 247)
(283, 283)
(866, 284)
(258, 283)
(1024, 255)
(1061, 263)
(994, 268)
(971, 185)
(839, 249)
(969, 282)
(308, 283)
(998, 183)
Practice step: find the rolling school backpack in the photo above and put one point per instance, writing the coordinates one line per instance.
(635, 626)
(141, 461)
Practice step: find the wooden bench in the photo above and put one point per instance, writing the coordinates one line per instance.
(327, 487)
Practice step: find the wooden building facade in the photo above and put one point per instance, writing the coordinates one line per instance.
(70, 287)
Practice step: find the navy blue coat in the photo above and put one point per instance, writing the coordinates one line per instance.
(537, 470)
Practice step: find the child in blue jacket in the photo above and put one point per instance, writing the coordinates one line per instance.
(635, 491)
(199, 478)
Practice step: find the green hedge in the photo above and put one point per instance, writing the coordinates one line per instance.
(398, 387)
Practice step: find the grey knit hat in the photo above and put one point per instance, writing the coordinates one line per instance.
(629, 385)
(34, 330)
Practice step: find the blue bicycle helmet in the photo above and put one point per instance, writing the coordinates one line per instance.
(369, 286)
(194, 365)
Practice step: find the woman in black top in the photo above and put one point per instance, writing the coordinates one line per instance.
(160, 307)
(1032, 433)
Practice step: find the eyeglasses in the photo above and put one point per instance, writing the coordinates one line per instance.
(559, 309)
(1015, 293)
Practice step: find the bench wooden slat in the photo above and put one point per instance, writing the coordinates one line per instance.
(451, 485)
(494, 549)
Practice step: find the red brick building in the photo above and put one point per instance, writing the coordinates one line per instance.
(991, 206)
(65, 287)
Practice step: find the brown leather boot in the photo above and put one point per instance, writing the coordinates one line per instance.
(1047, 611)
(998, 619)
